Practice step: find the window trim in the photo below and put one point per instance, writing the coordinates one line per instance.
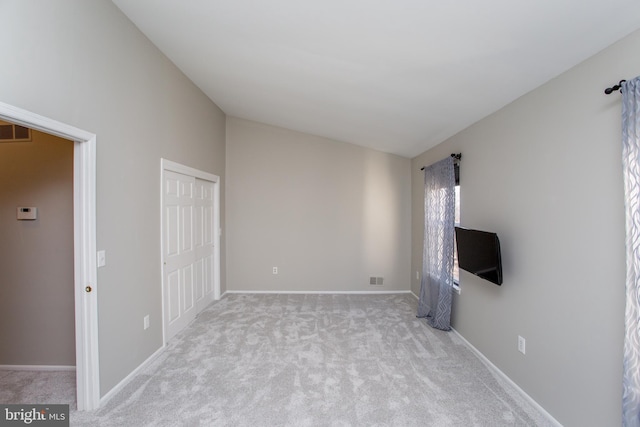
(456, 282)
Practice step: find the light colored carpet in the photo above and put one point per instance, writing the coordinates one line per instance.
(314, 360)
(36, 387)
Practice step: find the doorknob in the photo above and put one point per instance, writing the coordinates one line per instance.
(88, 289)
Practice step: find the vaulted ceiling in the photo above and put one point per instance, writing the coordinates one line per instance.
(394, 75)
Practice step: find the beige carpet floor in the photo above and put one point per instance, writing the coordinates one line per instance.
(304, 360)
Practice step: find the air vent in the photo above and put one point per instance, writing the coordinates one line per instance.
(376, 281)
(6, 132)
(14, 133)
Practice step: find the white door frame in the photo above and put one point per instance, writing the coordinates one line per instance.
(84, 233)
(168, 165)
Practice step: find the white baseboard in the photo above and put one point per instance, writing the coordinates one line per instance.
(320, 292)
(504, 376)
(104, 399)
(37, 368)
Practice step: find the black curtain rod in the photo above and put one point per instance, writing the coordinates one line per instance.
(614, 88)
(456, 158)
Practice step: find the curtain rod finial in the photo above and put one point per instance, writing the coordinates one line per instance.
(610, 90)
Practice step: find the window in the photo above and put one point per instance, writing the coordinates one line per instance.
(456, 269)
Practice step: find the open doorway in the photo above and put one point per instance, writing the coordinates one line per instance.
(36, 265)
(84, 266)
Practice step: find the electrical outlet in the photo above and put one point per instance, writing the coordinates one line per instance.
(417, 275)
(146, 321)
(275, 270)
(521, 344)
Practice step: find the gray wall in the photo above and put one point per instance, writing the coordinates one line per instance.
(545, 168)
(326, 213)
(36, 257)
(85, 64)
(545, 174)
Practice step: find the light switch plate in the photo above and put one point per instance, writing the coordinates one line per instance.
(102, 258)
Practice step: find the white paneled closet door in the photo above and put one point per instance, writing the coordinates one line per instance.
(204, 243)
(179, 247)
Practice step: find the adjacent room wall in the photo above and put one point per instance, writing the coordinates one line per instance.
(36, 256)
(328, 214)
(85, 64)
(545, 174)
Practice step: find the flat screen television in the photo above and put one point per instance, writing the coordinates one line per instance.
(479, 254)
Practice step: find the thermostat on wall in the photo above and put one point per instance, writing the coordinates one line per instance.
(27, 213)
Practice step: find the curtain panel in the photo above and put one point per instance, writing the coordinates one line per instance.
(436, 286)
(631, 173)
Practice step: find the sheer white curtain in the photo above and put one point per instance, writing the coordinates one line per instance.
(437, 256)
(631, 172)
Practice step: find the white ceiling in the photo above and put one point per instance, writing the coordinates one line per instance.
(398, 76)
